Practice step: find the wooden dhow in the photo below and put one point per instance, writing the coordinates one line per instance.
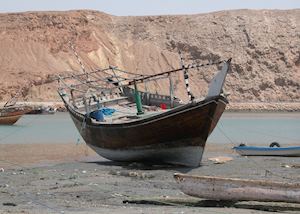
(10, 113)
(142, 126)
(9, 116)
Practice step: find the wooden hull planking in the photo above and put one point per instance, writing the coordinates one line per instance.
(215, 188)
(186, 156)
(10, 118)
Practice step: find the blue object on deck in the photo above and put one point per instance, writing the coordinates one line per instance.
(97, 115)
(107, 111)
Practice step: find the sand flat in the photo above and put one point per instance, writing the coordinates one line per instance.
(71, 178)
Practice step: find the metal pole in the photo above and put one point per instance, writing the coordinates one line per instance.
(186, 78)
(138, 100)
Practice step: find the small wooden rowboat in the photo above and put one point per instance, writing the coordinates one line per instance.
(229, 189)
(10, 113)
(293, 151)
(9, 116)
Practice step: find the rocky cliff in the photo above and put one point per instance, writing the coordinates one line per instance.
(264, 45)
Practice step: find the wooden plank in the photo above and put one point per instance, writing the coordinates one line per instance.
(217, 188)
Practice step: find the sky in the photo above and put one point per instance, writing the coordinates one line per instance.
(145, 7)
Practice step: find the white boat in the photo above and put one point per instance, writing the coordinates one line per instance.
(229, 189)
(293, 151)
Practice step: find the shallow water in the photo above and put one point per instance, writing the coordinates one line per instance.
(57, 128)
(257, 129)
(233, 129)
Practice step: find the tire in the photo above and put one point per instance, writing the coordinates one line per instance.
(273, 144)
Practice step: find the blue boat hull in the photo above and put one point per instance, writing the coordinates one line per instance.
(293, 151)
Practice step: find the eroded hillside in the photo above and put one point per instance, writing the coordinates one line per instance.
(264, 45)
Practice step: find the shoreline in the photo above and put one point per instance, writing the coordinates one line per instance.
(34, 155)
(264, 107)
(241, 107)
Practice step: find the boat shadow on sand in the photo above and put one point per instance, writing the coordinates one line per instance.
(144, 166)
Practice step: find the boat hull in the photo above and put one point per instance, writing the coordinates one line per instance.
(177, 136)
(10, 118)
(228, 189)
(268, 151)
(187, 155)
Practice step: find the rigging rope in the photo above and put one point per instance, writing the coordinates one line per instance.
(78, 58)
(125, 81)
(83, 126)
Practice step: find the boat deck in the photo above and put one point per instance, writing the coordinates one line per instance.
(125, 111)
(125, 114)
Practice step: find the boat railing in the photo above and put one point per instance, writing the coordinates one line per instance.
(103, 84)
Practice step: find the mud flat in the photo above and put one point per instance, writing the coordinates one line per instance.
(66, 178)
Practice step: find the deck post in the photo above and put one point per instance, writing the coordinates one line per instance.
(138, 100)
(147, 95)
(87, 109)
(72, 96)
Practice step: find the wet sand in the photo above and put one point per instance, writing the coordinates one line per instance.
(70, 178)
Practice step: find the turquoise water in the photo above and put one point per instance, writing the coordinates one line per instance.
(258, 129)
(57, 128)
(233, 129)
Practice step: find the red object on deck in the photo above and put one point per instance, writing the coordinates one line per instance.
(163, 106)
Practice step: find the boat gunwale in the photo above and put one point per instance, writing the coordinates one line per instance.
(154, 118)
(12, 114)
(254, 148)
